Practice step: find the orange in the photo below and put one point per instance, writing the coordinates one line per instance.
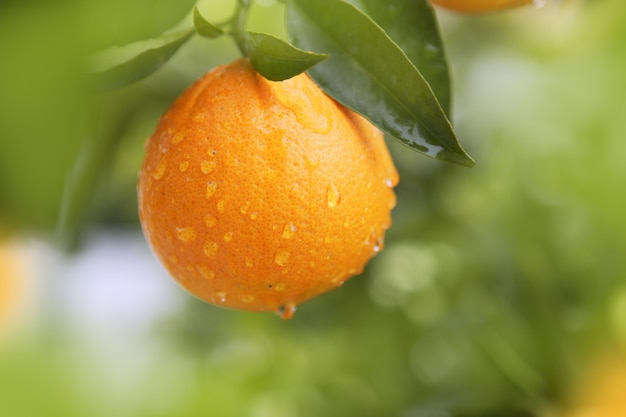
(12, 283)
(476, 6)
(602, 393)
(260, 195)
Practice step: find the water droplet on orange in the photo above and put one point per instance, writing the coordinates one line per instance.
(282, 257)
(211, 187)
(333, 195)
(289, 230)
(287, 311)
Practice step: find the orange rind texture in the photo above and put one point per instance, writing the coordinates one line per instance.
(260, 195)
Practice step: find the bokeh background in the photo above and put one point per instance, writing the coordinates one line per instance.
(501, 291)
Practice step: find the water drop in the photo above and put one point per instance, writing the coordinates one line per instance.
(282, 257)
(183, 166)
(346, 223)
(254, 215)
(245, 207)
(228, 236)
(392, 200)
(249, 262)
(207, 273)
(221, 206)
(247, 298)
(389, 183)
(287, 311)
(173, 259)
(333, 196)
(210, 221)
(280, 286)
(177, 138)
(378, 246)
(211, 186)
(219, 296)
(210, 248)
(211, 152)
(160, 170)
(186, 234)
(289, 230)
(207, 166)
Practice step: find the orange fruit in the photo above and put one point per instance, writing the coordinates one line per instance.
(259, 195)
(477, 6)
(12, 283)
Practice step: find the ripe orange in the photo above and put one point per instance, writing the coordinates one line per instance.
(13, 275)
(476, 6)
(259, 195)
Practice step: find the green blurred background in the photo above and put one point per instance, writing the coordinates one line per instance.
(497, 287)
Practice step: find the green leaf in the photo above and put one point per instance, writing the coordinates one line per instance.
(204, 27)
(118, 67)
(277, 60)
(369, 73)
(412, 24)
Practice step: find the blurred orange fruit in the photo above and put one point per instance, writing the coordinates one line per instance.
(12, 283)
(477, 6)
(602, 393)
(259, 195)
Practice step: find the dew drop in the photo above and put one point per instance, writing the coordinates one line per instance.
(282, 257)
(186, 234)
(338, 280)
(177, 138)
(346, 223)
(160, 170)
(389, 183)
(287, 311)
(173, 259)
(184, 166)
(289, 230)
(210, 221)
(228, 236)
(247, 298)
(392, 200)
(333, 196)
(206, 273)
(249, 262)
(211, 186)
(211, 152)
(245, 207)
(221, 206)
(280, 286)
(219, 296)
(210, 248)
(207, 166)
(254, 215)
(378, 246)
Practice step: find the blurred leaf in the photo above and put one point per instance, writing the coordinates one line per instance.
(277, 60)
(120, 22)
(412, 24)
(204, 27)
(369, 73)
(119, 67)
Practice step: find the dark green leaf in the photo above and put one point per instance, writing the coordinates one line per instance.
(412, 24)
(118, 67)
(204, 27)
(277, 60)
(369, 73)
